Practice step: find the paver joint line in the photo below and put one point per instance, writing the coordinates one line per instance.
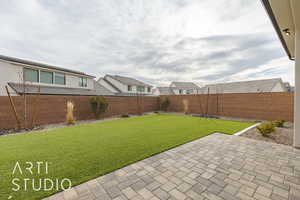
(217, 166)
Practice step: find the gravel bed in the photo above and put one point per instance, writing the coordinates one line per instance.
(280, 136)
(59, 125)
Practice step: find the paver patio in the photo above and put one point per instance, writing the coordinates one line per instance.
(215, 167)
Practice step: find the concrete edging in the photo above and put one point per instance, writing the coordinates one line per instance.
(247, 129)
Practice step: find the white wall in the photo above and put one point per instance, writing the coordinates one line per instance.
(124, 88)
(9, 73)
(106, 85)
(156, 92)
(14, 73)
(297, 92)
(117, 84)
(279, 87)
(73, 82)
(184, 91)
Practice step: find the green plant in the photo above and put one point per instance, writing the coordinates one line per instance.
(165, 103)
(99, 105)
(266, 129)
(125, 115)
(278, 123)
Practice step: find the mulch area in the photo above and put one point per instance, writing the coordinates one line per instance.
(280, 136)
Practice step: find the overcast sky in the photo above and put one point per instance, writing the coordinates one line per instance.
(157, 41)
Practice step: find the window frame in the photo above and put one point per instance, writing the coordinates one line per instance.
(141, 88)
(129, 88)
(25, 77)
(55, 82)
(81, 82)
(40, 75)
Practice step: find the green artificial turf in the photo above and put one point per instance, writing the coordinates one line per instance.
(84, 152)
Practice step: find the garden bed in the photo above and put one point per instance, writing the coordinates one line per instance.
(282, 135)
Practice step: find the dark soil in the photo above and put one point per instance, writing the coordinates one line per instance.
(280, 136)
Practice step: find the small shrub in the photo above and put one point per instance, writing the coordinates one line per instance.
(70, 113)
(99, 105)
(165, 103)
(266, 129)
(185, 106)
(278, 123)
(125, 115)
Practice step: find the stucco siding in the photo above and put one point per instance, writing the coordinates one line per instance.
(106, 85)
(124, 88)
(278, 88)
(14, 73)
(73, 82)
(117, 84)
(9, 73)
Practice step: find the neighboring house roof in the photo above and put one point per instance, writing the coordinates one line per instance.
(185, 85)
(52, 90)
(42, 65)
(110, 84)
(127, 80)
(101, 90)
(165, 90)
(255, 86)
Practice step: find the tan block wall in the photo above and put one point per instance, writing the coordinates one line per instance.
(259, 106)
(52, 109)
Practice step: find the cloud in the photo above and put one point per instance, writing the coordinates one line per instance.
(158, 41)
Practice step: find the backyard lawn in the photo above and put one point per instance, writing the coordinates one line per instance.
(83, 152)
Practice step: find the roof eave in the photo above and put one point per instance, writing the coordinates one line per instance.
(34, 64)
(270, 12)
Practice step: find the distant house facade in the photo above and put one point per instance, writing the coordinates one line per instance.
(178, 88)
(29, 77)
(127, 86)
(163, 91)
(255, 86)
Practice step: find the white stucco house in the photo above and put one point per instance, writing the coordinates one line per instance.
(125, 86)
(30, 77)
(254, 86)
(178, 88)
(163, 91)
(285, 17)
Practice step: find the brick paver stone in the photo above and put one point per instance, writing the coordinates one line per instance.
(216, 167)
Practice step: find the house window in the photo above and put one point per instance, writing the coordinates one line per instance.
(46, 77)
(129, 88)
(31, 75)
(189, 92)
(60, 79)
(149, 89)
(141, 89)
(180, 91)
(82, 82)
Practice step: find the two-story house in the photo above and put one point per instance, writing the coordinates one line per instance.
(121, 85)
(30, 77)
